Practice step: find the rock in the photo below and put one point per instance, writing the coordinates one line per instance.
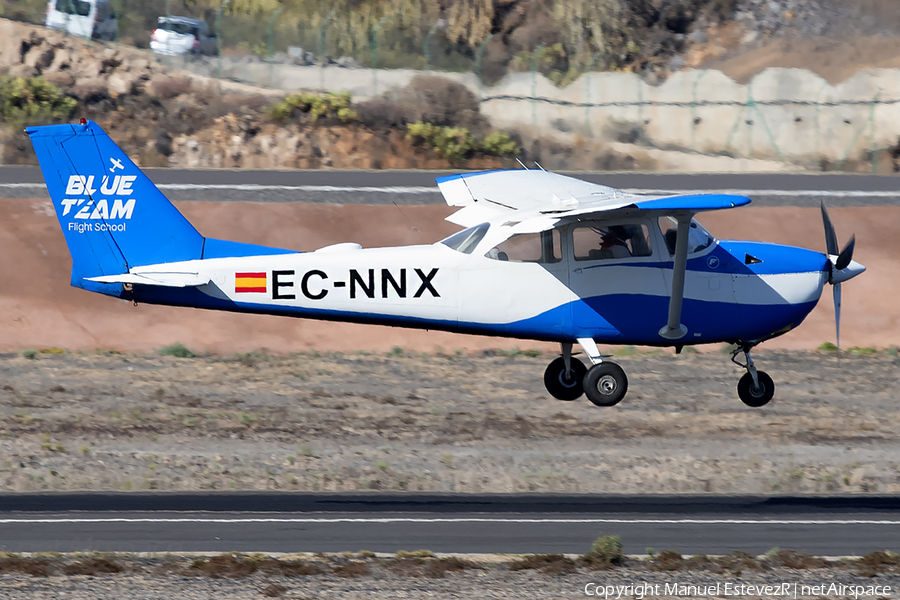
(348, 62)
(24, 71)
(39, 57)
(120, 84)
(750, 37)
(61, 79)
(90, 89)
(676, 64)
(698, 36)
(62, 59)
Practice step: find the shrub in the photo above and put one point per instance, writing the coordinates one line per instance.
(442, 102)
(178, 350)
(453, 143)
(827, 347)
(315, 105)
(381, 114)
(30, 354)
(605, 552)
(32, 101)
(498, 143)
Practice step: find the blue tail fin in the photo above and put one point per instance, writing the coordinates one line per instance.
(113, 217)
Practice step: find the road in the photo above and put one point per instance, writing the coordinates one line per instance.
(286, 522)
(418, 187)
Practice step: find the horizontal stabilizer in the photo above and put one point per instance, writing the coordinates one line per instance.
(177, 280)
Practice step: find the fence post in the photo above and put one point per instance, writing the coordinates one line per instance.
(587, 94)
(375, 31)
(534, 55)
(427, 47)
(478, 57)
(219, 33)
(270, 42)
(118, 15)
(322, 30)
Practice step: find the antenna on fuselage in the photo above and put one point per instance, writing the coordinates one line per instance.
(539, 166)
(521, 163)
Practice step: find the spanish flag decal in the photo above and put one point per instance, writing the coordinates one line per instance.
(250, 282)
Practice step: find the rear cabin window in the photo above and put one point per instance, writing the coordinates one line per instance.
(466, 240)
(543, 247)
(602, 242)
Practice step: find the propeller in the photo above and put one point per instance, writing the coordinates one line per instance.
(838, 262)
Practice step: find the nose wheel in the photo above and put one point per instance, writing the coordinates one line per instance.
(755, 388)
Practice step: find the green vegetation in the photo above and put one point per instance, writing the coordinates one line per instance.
(827, 347)
(605, 551)
(329, 105)
(178, 350)
(458, 143)
(29, 353)
(32, 102)
(866, 351)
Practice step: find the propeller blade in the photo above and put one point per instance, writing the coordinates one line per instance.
(837, 318)
(830, 238)
(846, 255)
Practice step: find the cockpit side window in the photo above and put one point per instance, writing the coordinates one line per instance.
(543, 247)
(466, 240)
(601, 241)
(698, 238)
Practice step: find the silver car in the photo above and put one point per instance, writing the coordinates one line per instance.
(183, 35)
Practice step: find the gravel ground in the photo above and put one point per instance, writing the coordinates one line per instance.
(443, 423)
(493, 577)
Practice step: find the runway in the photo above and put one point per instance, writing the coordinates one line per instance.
(418, 187)
(273, 522)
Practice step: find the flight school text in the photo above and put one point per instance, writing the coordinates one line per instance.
(720, 589)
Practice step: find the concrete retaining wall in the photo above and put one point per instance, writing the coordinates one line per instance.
(782, 114)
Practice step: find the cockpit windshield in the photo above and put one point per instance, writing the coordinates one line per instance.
(698, 238)
(466, 240)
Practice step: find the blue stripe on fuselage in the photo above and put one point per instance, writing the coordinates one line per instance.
(615, 318)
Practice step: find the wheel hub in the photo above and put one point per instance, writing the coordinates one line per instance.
(607, 385)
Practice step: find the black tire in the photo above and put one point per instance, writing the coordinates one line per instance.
(756, 397)
(605, 384)
(560, 386)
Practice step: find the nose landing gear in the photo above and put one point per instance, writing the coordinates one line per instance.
(755, 388)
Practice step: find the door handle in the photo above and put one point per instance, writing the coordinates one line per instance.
(578, 270)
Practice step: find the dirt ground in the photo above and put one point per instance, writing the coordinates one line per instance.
(445, 423)
(38, 308)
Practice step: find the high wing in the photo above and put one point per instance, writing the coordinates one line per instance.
(532, 201)
(524, 194)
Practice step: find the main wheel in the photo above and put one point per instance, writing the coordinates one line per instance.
(605, 384)
(756, 397)
(559, 385)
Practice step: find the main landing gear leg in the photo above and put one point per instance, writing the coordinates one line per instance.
(564, 376)
(605, 383)
(755, 388)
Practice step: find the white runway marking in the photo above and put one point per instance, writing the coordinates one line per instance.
(254, 187)
(388, 520)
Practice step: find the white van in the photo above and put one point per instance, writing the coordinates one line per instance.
(183, 35)
(85, 18)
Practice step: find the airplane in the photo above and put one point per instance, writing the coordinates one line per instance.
(542, 256)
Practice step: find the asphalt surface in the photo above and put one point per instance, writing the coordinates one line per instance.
(285, 522)
(418, 187)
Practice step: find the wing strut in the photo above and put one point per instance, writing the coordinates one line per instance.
(674, 330)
